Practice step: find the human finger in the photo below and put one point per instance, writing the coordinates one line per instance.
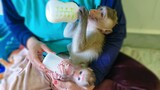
(35, 60)
(46, 49)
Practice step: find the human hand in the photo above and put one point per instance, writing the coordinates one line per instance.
(65, 68)
(35, 50)
(5, 63)
(68, 85)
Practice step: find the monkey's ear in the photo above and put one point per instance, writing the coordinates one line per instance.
(107, 31)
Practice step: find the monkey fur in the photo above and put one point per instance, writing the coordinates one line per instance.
(88, 34)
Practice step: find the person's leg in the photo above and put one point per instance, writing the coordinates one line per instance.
(128, 74)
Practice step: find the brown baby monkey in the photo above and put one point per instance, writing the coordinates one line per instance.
(88, 34)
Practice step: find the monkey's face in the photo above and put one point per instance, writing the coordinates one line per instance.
(104, 18)
(82, 77)
(96, 14)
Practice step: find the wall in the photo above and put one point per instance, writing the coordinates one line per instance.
(143, 23)
(143, 32)
(143, 16)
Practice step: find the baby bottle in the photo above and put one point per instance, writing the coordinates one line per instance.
(58, 11)
(51, 61)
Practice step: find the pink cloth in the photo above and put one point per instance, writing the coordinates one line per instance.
(63, 71)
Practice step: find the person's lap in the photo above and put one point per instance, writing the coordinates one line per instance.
(23, 76)
(128, 74)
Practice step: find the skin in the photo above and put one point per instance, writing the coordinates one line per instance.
(16, 54)
(20, 53)
(69, 85)
(35, 50)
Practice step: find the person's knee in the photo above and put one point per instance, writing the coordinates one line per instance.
(122, 85)
(105, 85)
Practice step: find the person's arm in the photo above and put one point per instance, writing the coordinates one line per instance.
(23, 34)
(113, 42)
(15, 22)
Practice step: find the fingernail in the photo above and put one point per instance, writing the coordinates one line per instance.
(55, 82)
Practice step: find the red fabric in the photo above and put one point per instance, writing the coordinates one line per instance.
(128, 74)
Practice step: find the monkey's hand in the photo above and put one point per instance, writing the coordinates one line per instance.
(79, 38)
(83, 14)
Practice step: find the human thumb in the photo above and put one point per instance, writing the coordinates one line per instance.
(46, 49)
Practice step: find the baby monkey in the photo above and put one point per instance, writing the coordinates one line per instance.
(64, 70)
(88, 35)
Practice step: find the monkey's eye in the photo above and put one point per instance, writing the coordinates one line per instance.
(101, 9)
(79, 78)
(102, 14)
(80, 72)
